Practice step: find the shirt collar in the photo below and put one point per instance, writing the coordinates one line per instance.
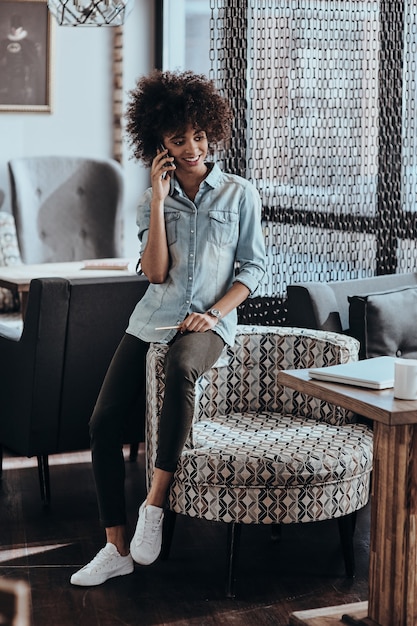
(212, 179)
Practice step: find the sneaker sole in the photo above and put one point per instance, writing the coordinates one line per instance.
(95, 582)
(139, 560)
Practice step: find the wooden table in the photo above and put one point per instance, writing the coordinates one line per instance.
(393, 553)
(17, 278)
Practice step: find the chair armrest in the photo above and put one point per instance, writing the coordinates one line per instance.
(313, 305)
(9, 331)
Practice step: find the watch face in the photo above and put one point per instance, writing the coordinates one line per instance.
(215, 313)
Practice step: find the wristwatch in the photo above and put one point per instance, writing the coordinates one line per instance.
(214, 313)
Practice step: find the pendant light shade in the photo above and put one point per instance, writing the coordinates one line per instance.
(90, 12)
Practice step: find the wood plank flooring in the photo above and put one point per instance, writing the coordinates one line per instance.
(43, 547)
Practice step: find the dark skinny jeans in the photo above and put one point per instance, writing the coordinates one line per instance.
(188, 357)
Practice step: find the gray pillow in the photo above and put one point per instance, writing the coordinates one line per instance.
(385, 323)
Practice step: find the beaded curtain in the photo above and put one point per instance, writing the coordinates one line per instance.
(323, 93)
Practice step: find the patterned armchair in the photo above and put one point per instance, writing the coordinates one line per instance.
(9, 255)
(260, 453)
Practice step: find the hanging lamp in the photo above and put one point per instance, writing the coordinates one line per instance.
(90, 12)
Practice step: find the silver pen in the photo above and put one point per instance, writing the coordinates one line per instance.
(167, 327)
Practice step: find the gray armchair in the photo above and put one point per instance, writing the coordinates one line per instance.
(51, 374)
(66, 208)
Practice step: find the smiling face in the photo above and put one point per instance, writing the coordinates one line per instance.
(189, 149)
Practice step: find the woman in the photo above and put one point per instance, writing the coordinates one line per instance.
(196, 226)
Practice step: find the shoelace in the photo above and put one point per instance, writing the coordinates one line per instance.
(99, 560)
(147, 529)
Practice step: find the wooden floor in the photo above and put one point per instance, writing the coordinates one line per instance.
(43, 547)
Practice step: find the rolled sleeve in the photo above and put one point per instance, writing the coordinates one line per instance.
(250, 254)
(143, 216)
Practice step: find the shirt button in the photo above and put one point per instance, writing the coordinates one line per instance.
(190, 278)
(192, 232)
(187, 302)
(191, 254)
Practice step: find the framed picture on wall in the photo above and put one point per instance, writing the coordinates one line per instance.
(25, 56)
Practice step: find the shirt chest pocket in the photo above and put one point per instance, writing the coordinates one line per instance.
(171, 222)
(222, 227)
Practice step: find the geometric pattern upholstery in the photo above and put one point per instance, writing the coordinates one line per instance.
(259, 452)
(9, 255)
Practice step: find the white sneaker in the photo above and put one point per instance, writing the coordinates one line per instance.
(107, 563)
(146, 543)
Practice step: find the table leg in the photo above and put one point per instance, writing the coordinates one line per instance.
(393, 556)
(24, 297)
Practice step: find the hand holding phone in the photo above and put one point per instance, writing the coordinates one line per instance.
(162, 148)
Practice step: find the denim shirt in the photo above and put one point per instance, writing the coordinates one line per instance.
(207, 239)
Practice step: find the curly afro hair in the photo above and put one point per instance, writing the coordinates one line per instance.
(168, 102)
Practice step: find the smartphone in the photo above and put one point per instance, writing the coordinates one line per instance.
(161, 148)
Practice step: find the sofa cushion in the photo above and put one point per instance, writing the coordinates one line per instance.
(9, 255)
(385, 323)
(273, 468)
(284, 449)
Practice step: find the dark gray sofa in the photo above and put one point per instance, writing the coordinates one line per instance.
(381, 311)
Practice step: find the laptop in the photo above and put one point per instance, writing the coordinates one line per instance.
(375, 373)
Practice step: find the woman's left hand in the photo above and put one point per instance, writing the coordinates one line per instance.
(198, 323)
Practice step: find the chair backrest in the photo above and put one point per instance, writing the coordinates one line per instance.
(245, 378)
(97, 318)
(66, 208)
(51, 377)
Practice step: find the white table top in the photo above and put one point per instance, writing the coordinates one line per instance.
(19, 276)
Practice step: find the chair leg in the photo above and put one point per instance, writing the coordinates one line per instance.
(233, 541)
(134, 447)
(276, 532)
(347, 525)
(43, 473)
(170, 517)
